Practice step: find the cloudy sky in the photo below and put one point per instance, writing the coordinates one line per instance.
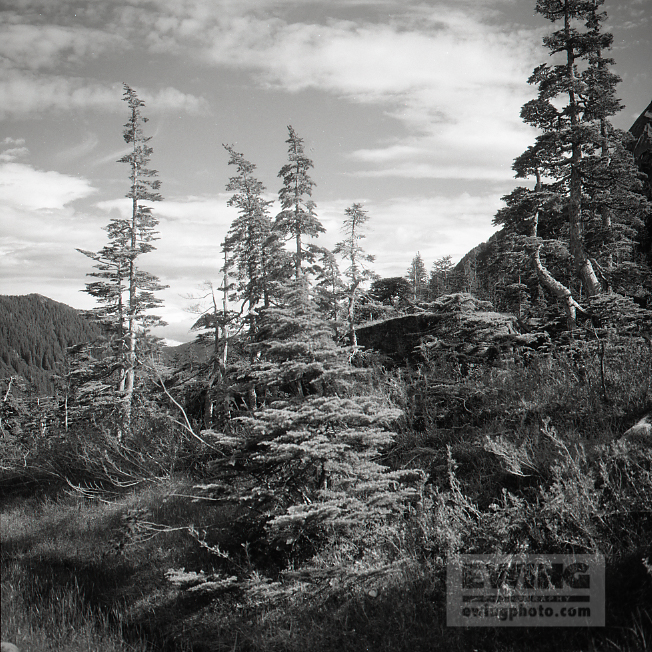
(409, 107)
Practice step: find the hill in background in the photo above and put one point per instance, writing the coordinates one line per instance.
(34, 334)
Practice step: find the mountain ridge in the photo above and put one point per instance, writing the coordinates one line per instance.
(35, 332)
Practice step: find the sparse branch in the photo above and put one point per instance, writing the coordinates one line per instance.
(186, 425)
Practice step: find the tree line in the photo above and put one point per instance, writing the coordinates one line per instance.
(35, 335)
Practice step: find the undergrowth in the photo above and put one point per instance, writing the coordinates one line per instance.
(523, 457)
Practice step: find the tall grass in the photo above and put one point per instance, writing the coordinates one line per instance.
(521, 457)
(39, 617)
(76, 572)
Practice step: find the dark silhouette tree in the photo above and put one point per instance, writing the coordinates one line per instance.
(585, 189)
(441, 276)
(394, 291)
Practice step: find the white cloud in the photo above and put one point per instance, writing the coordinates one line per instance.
(18, 142)
(447, 71)
(456, 80)
(47, 46)
(12, 153)
(457, 86)
(172, 99)
(23, 93)
(40, 230)
(441, 225)
(40, 65)
(26, 93)
(23, 187)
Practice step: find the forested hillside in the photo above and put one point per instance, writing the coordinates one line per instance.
(34, 334)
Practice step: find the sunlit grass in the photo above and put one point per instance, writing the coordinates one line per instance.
(64, 586)
(36, 616)
(74, 579)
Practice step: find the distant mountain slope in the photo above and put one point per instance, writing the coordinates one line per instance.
(34, 334)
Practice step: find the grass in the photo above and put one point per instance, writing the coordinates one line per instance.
(76, 573)
(88, 571)
(64, 588)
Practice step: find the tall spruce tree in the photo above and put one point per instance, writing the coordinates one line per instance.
(356, 257)
(255, 250)
(125, 291)
(585, 190)
(417, 275)
(297, 218)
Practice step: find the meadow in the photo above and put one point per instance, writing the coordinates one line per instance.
(522, 456)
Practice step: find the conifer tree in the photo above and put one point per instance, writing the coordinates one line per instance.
(254, 249)
(585, 190)
(417, 276)
(355, 255)
(441, 276)
(297, 218)
(126, 291)
(394, 291)
(307, 457)
(329, 287)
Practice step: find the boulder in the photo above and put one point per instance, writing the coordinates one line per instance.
(457, 323)
(8, 647)
(641, 431)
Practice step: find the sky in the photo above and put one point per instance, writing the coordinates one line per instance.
(408, 107)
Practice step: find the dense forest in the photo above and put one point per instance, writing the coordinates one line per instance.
(303, 473)
(35, 335)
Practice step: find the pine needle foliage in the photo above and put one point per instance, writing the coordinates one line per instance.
(297, 218)
(307, 457)
(329, 286)
(125, 292)
(586, 197)
(417, 276)
(254, 251)
(356, 257)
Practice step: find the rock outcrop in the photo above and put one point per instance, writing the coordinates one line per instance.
(457, 323)
(641, 431)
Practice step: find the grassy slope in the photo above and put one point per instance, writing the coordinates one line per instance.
(89, 574)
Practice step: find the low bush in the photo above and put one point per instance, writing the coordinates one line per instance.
(519, 458)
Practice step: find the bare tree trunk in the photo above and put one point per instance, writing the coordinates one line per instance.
(534, 227)
(131, 316)
(557, 289)
(297, 264)
(121, 317)
(351, 315)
